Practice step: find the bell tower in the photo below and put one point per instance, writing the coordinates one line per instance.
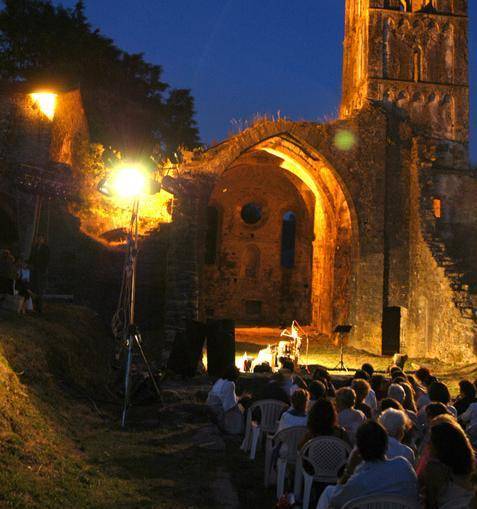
(413, 53)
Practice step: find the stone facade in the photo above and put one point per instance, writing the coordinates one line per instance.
(383, 214)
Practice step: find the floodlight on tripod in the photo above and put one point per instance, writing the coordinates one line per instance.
(129, 181)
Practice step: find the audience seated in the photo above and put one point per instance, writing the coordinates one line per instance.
(361, 388)
(396, 422)
(369, 472)
(317, 391)
(322, 375)
(348, 417)
(466, 396)
(296, 414)
(323, 421)
(275, 389)
(395, 391)
(379, 385)
(230, 415)
(447, 475)
(388, 441)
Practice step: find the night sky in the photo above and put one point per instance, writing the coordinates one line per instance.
(245, 57)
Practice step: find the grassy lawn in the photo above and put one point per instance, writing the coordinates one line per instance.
(60, 441)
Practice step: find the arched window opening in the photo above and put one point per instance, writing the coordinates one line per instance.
(212, 235)
(417, 65)
(288, 240)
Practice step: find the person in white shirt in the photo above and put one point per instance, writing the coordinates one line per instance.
(370, 473)
(395, 422)
(395, 391)
(296, 415)
(224, 402)
(348, 417)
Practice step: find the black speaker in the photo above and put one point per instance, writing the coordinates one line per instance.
(393, 329)
(220, 346)
(187, 349)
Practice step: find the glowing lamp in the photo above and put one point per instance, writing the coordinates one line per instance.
(129, 182)
(46, 102)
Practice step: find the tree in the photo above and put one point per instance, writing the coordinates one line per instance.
(128, 104)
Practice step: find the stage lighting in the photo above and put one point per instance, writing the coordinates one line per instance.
(46, 102)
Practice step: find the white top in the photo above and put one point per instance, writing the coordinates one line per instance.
(422, 401)
(470, 415)
(351, 419)
(288, 420)
(397, 449)
(388, 477)
(24, 275)
(225, 391)
(371, 401)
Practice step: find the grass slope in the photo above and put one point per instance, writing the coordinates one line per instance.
(58, 450)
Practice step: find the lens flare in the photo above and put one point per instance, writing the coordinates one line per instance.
(46, 101)
(129, 182)
(344, 140)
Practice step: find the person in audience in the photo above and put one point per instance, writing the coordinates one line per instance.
(370, 473)
(466, 396)
(389, 403)
(323, 421)
(230, 415)
(426, 379)
(361, 388)
(317, 391)
(409, 403)
(395, 391)
(296, 414)
(433, 412)
(419, 390)
(348, 417)
(368, 368)
(438, 392)
(396, 372)
(396, 423)
(447, 475)
(322, 375)
(469, 421)
(365, 373)
(275, 389)
(379, 385)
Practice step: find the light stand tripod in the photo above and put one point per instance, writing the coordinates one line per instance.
(125, 313)
(342, 330)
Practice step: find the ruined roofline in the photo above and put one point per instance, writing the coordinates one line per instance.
(420, 13)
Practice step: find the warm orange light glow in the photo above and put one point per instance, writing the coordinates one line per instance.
(46, 101)
(129, 182)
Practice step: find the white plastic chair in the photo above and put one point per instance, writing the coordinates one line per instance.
(288, 441)
(383, 502)
(325, 457)
(460, 503)
(270, 413)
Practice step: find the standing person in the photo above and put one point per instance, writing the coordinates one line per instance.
(7, 272)
(23, 286)
(39, 261)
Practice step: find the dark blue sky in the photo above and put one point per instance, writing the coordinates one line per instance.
(243, 57)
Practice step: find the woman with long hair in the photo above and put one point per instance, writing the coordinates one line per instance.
(447, 475)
